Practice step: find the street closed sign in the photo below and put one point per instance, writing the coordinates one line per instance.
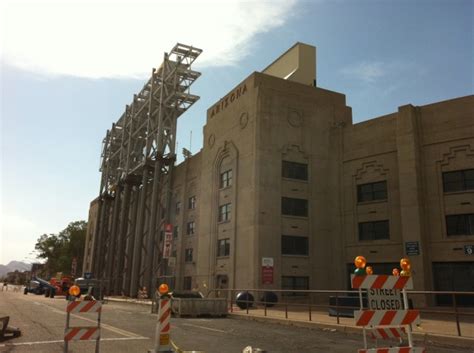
(384, 299)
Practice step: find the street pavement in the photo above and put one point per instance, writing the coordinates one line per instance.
(131, 328)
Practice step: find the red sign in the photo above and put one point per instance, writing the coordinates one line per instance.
(267, 274)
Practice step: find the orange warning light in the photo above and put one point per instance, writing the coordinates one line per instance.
(163, 288)
(360, 262)
(395, 272)
(405, 264)
(369, 270)
(74, 290)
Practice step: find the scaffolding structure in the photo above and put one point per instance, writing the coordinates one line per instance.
(137, 159)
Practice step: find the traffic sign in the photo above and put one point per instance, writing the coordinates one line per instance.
(469, 249)
(412, 248)
(384, 299)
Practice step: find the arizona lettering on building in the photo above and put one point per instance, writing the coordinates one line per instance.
(229, 99)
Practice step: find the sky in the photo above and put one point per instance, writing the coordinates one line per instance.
(68, 69)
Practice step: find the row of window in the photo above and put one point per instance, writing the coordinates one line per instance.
(377, 230)
(459, 180)
(223, 249)
(460, 224)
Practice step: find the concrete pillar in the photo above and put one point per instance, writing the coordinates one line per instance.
(121, 238)
(152, 231)
(139, 230)
(112, 240)
(411, 192)
(131, 240)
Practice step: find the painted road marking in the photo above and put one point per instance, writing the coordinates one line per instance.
(105, 326)
(62, 341)
(205, 328)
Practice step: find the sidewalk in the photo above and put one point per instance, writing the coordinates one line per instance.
(432, 328)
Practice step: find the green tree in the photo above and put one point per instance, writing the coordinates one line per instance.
(60, 249)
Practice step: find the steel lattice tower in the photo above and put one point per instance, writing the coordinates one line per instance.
(137, 159)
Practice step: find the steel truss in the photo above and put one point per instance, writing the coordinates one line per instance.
(137, 159)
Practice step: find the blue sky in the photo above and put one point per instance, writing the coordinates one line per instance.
(69, 68)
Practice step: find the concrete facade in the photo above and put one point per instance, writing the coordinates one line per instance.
(266, 120)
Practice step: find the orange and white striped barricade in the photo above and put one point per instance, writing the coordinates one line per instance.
(82, 333)
(163, 326)
(386, 308)
(386, 333)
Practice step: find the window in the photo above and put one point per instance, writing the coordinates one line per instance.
(188, 255)
(223, 247)
(176, 231)
(226, 179)
(293, 170)
(224, 212)
(178, 207)
(460, 180)
(187, 283)
(190, 228)
(293, 282)
(192, 202)
(374, 230)
(372, 191)
(460, 224)
(294, 207)
(291, 245)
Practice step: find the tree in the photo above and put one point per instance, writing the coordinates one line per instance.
(60, 249)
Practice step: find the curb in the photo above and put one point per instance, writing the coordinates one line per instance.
(443, 340)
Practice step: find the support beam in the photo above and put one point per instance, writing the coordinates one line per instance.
(112, 241)
(131, 240)
(139, 229)
(121, 239)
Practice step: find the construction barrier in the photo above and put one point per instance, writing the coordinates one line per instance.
(199, 306)
(386, 317)
(394, 350)
(388, 333)
(381, 282)
(163, 325)
(82, 333)
(388, 306)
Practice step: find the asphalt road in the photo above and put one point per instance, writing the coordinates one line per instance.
(131, 328)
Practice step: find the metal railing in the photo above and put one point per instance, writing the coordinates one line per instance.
(314, 306)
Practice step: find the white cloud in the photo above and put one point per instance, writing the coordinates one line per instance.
(106, 38)
(366, 71)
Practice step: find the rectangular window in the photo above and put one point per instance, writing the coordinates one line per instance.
(187, 283)
(178, 207)
(294, 207)
(293, 170)
(223, 247)
(188, 255)
(176, 231)
(460, 180)
(296, 283)
(190, 228)
(226, 179)
(374, 230)
(224, 212)
(292, 245)
(460, 224)
(372, 191)
(192, 202)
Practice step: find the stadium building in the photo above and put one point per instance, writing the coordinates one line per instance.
(287, 190)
